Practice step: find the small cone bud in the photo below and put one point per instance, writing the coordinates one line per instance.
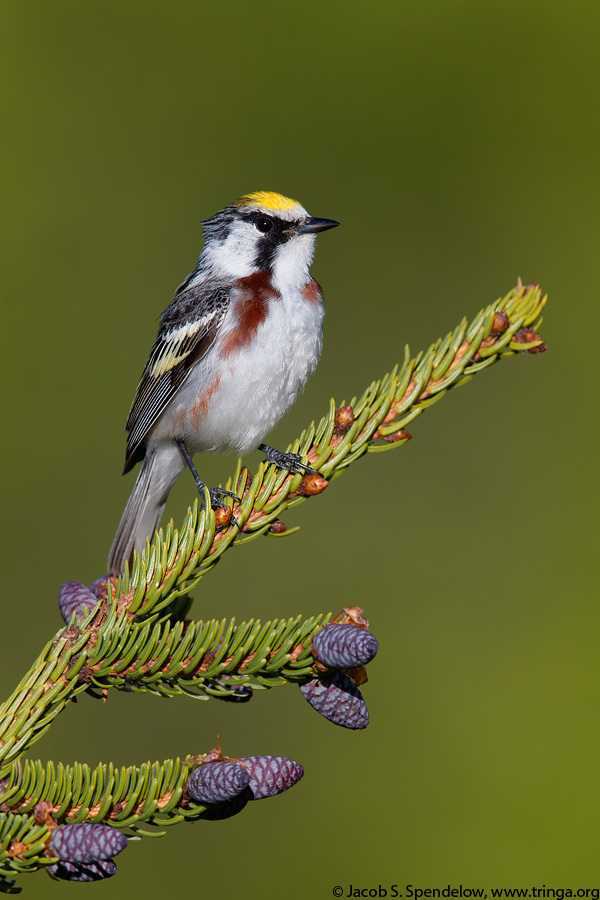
(337, 699)
(344, 419)
(500, 323)
(74, 597)
(270, 775)
(217, 781)
(86, 843)
(528, 336)
(223, 516)
(311, 485)
(344, 646)
(277, 527)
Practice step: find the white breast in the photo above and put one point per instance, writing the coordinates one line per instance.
(231, 402)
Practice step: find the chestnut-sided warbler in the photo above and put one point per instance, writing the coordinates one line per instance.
(234, 349)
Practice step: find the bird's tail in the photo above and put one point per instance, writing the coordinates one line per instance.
(160, 470)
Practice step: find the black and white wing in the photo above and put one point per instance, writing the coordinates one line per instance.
(188, 329)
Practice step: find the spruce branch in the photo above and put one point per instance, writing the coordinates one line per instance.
(164, 657)
(175, 562)
(152, 793)
(137, 639)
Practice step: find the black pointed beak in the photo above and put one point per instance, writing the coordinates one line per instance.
(312, 225)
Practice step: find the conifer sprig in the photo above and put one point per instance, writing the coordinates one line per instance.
(137, 639)
(175, 562)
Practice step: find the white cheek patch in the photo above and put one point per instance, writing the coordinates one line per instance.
(292, 259)
(235, 256)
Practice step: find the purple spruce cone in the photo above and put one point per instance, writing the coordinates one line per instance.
(74, 597)
(344, 646)
(86, 843)
(96, 587)
(94, 871)
(338, 699)
(217, 781)
(270, 775)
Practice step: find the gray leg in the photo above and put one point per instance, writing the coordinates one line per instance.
(214, 499)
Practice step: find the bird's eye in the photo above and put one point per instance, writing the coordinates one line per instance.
(263, 223)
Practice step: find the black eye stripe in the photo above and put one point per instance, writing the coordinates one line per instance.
(277, 232)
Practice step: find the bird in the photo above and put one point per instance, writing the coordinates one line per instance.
(234, 349)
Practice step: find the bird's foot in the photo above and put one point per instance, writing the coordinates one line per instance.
(215, 502)
(292, 462)
(214, 492)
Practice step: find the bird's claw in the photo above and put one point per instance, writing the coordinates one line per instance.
(219, 490)
(291, 462)
(216, 503)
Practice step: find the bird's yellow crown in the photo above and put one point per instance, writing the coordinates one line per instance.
(268, 200)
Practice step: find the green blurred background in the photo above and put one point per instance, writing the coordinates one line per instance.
(457, 142)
